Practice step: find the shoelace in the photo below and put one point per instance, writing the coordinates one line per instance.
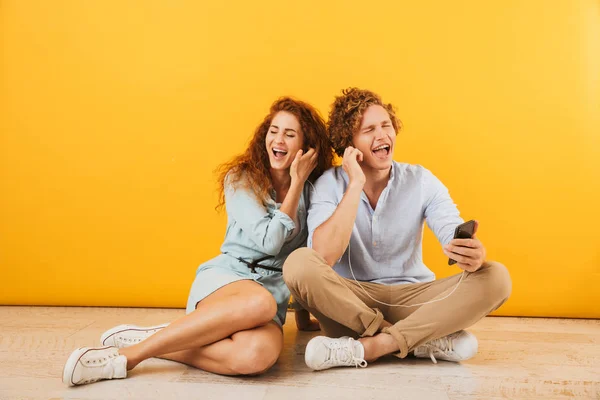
(108, 370)
(442, 345)
(129, 340)
(340, 351)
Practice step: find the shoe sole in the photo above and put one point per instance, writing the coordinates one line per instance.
(122, 328)
(71, 363)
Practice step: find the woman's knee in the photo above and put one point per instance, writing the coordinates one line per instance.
(260, 306)
(302, 265)
(259, 354)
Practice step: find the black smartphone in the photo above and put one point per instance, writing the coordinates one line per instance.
(463, 231)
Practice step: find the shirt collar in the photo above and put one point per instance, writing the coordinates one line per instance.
(363, 196)
(392, 172)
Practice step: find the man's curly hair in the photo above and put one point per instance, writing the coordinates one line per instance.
(346, 115)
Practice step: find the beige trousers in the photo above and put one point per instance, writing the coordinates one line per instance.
(343, 308)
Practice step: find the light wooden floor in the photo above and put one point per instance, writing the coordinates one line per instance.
(518, 358)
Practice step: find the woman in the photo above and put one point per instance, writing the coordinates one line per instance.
(237, 303)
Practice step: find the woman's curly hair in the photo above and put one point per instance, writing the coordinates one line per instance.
(346, 115)
(254, 166)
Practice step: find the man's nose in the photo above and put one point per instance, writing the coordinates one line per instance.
(379, 132)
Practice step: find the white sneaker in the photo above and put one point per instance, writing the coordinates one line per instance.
(323, 353)
(456, 347)
(128, 335)
(91, 364)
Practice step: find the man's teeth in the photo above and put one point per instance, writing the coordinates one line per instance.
(383, 146)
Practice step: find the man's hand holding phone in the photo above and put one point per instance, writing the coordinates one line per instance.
(351, 165)
(465, 249)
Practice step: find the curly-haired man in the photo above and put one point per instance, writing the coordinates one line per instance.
(363, 275)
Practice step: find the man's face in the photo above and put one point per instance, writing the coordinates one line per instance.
(375, 138)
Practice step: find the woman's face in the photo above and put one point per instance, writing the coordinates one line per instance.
(284, 139)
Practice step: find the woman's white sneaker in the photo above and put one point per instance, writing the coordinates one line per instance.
(456, 347)
(91, 364)
(323, 353)
(128, 335)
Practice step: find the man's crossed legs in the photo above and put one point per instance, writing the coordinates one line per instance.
(432, 330)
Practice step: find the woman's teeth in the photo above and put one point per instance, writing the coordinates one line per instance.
(279, 153)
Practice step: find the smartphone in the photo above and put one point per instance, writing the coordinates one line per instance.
(463, 231)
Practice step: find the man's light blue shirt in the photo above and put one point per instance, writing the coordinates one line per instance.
(386, 243)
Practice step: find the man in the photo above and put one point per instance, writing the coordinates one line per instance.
(363, 275)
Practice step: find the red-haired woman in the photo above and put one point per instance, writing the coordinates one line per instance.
(237, 303)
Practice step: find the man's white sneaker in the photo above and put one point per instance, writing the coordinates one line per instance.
(323, 353)
(456, 347)
(91, 364)
(128, 335)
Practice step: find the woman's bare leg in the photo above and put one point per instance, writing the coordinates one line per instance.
(247, 352)
(239, 306)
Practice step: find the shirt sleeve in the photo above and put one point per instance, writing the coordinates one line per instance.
(441, 213)
(324, 201)
(268, 231)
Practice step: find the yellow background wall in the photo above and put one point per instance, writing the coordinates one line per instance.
(114, 115)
